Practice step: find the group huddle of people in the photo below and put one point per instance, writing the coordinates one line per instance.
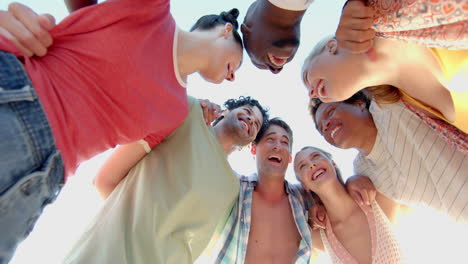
(390, 83)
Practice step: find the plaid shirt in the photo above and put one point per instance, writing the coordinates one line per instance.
(235, 236)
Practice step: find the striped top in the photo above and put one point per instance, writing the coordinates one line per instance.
(409, 163)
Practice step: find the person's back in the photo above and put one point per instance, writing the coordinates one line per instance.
(412, 164)
(167, 208)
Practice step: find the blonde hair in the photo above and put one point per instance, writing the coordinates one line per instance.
(317, 50)
(381, 94)
(384, 94)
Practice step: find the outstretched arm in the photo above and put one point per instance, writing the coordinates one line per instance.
(117, 167)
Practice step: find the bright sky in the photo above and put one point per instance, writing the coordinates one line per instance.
(63, 222)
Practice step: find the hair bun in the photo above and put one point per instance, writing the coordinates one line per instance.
(231, 17)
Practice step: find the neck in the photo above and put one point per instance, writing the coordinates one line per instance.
(338, 203)
(369, 135)
(401, 69)
(227, 142)
(270, 188)
(192, 51)
(414, 70)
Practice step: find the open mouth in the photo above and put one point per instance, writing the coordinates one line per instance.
(277, 61)
(334, 131)
(245, 125)
(318, 173)
(275, 159)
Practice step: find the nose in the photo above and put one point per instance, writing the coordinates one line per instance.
(325, 125)
(231, 77)
(313, 93)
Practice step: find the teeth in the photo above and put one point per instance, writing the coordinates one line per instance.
(334, 132)
(317, 174)
(275, 157)
(277, 61)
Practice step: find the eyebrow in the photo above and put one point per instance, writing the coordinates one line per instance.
(251, 108)
(286, 42)
(323, 112)
(271, 133)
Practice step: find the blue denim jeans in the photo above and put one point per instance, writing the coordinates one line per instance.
(31, 167)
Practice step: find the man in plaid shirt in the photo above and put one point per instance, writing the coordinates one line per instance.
(268, 223)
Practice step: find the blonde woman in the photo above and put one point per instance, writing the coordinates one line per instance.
(354, 232)
(430, 79)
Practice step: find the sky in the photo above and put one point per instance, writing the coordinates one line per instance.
(284, 94)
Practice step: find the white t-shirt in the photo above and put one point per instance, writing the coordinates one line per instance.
(293, 5)
(411, 164)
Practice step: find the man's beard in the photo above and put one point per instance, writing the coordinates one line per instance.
(235, 130)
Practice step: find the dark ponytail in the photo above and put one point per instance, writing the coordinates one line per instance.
(208, 22)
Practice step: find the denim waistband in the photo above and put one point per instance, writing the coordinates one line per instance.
(17, 91)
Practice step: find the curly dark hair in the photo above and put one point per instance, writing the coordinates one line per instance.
(277, 122)
(210, 21)
(360, 96)
(232, 104)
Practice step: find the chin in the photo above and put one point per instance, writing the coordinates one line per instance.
(211, 79)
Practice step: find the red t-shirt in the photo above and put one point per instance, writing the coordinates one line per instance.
(109, 78)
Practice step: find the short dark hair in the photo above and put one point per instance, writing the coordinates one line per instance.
(277, 122)
(314, 103)
(210, 21)
(232, 104)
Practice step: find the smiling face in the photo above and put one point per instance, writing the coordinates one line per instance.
(272, 152)
(334, 74)
(225, 56)
(314, 170)
(243, 124)
(342, 124)
(269, 46)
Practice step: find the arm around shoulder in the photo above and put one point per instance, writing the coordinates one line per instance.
(117, 166)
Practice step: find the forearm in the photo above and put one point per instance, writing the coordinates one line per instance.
(73, 5)
(117, 166)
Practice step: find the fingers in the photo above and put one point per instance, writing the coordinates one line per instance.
(354, 31)
(372, 195)
(357, 197)
(211, 111)
(27, 28)
(365, 197)
(21, 48)
(317, 216)
(47, 21)
(358, 9)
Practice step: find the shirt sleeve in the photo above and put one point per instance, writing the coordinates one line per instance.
(150, 141)
(293, 5)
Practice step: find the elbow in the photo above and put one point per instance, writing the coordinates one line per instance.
(103, 186)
